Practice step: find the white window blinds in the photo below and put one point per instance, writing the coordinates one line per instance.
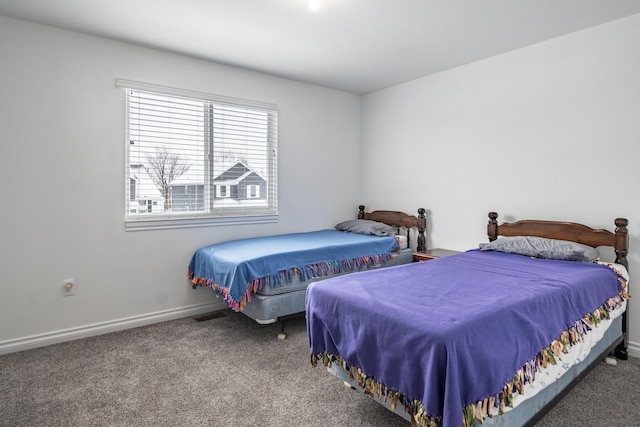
(192, 155)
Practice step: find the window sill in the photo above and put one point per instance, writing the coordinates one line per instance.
(169, 223)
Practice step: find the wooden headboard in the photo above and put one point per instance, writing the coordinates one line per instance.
(399, 220)
(572, 231)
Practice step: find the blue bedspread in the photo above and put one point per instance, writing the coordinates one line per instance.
(230, 266)
(452, 331)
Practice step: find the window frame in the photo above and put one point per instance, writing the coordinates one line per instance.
(188, 219)
(253, 191)
(223, 191)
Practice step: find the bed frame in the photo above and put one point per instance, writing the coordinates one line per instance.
(400, 220)
(572, 231)
(575, 232)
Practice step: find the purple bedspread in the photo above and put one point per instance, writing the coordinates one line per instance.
(452, 331)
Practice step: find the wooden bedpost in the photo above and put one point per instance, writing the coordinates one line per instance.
(492, 226)
(621, 244)
(361, 212)
(422, 226)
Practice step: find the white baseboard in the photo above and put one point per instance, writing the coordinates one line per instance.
(41, 340)
(633, 349)
(56, 337)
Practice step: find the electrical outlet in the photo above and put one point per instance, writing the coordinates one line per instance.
(68, 287)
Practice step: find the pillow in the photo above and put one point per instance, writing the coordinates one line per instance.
(540, 247)
(366, 226)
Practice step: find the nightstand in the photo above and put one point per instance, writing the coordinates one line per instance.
(430, 254)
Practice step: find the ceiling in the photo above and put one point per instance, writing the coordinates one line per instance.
(356, 46)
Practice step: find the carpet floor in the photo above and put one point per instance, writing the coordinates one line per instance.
(230, 371)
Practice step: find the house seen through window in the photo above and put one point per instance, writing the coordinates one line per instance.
(189, 157)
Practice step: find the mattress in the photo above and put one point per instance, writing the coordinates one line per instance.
(268, 304)
(404, 256)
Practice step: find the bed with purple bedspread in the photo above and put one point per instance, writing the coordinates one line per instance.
(446, 334)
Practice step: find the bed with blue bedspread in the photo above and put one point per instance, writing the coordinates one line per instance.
(266, 277)
(488, 336)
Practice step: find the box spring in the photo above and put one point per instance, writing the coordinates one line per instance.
(268, 304)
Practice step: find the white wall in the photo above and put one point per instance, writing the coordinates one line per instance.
(62, 181)
(551, 131)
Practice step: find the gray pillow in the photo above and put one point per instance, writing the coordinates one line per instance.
(366, 226)
(540, 247)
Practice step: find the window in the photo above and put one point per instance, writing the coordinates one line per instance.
(132, 189)
(192, 156)
(223, 191)
(253, 191)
